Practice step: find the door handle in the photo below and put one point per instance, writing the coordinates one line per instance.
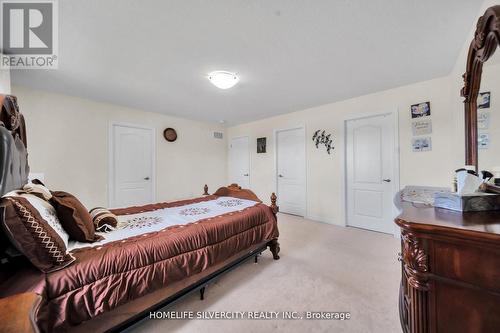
(387, 180)
(146, 178)
(246, 175)
(280, 175)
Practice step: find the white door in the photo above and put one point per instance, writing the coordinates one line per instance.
(371, 158)
(239, 162)
(290, 167)
(132, 150)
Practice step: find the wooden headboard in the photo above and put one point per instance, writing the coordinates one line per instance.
(14, 167)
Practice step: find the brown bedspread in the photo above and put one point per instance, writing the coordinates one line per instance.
(105, 277)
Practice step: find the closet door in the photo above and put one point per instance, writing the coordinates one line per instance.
(239, 162)
(370, 154)
(131, 166)
(291, 171)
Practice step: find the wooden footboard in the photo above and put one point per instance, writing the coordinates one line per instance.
(235, 191)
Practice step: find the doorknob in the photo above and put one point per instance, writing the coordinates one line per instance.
(146, 178)
(246, 175)
(387, 180)
(280, 175)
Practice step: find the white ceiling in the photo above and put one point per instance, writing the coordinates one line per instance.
(290, 54)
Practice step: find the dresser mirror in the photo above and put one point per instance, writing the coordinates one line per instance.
(482, 135)
(488, 116)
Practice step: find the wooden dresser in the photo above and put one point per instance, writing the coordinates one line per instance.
(450, 270)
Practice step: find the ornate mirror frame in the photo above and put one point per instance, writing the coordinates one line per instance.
(486, 39)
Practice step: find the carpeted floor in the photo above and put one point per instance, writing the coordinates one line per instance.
(322, 268)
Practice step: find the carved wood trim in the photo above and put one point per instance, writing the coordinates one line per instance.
(274, 247)
(482, 47)
(236, 191)
(11, 118)
(415, 261)
(273, 206)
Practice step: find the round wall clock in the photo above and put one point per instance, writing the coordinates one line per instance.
(170, 134)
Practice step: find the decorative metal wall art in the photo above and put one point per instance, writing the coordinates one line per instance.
(323, 139)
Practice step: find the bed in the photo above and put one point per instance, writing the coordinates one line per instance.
(163, 251)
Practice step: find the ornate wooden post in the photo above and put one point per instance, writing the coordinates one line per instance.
(274, 207)
(274, 246)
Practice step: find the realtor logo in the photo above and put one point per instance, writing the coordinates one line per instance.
(29, 34)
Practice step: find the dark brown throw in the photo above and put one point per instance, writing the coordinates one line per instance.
(74, 217)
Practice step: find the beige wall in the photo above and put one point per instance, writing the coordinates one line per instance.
(4, 81)
(325, 172)
(68, 142)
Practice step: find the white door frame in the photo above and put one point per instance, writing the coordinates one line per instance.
(395, 176)
(249, 158)
(275, 138)
(111, 162)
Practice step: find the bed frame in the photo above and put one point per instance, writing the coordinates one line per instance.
(14, 171)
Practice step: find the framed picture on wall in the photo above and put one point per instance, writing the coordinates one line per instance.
(483, 100)
(421, 144)
(483, 140)
(483, 120)
(421, 127)
(420, 110)
(261, 145)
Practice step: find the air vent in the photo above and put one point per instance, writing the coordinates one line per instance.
(218, 135)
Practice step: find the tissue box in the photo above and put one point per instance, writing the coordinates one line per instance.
(474, 202)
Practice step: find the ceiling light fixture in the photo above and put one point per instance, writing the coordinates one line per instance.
(223, 79)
